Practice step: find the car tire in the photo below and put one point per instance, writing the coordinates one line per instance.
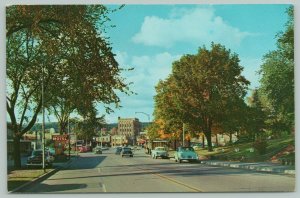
(155, 157)
(122, 155)
(179, 160)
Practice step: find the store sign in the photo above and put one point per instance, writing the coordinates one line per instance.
(60, 138)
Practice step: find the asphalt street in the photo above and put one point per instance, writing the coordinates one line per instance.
(107, 172)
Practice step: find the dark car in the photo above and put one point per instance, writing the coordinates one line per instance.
(118, 150)
(98, 150)
(36, 158)
(126, 151)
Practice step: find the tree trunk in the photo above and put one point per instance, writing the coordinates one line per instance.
(17, 153)
(209, 144)
(63, 127)
(175, 144)
(217, 141)
(230, 138)
(203, 141)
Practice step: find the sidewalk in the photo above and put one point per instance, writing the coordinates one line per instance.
(56, 167)
(255, 166)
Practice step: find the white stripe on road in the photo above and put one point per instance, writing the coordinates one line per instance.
(104, 188)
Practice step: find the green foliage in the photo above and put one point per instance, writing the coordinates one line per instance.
(201, 91)
(261, 146)
(152, 131)
(63, 48)
(209, 84)
(277, 81)
(255, 116)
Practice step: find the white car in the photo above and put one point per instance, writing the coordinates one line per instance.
(159, 152)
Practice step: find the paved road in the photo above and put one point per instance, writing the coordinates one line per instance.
(112, 173)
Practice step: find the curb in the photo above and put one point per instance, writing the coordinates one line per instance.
(36, 180)
(257, 167)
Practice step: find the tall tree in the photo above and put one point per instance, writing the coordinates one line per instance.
(277, 77)
(207, 84)
(165, 110)
(52, 44)
(256, 116)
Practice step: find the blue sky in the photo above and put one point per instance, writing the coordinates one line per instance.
(150, 37)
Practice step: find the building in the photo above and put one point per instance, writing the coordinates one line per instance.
(129, 126)
(104, 139)
(119, 140)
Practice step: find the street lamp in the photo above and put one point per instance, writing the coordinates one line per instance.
(144, 114)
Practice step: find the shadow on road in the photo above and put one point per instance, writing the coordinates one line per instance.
(85, 162)
(170, 171)
(45, 188)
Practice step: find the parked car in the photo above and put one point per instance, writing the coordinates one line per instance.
(104, 148)
(159, 152)
(118, 150)
(97, 150)
(126, 151)
(185, 153)
(51, 150)
(82, 149)
(36, 158)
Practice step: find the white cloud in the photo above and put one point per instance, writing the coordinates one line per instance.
(198, 25)
(148, 70)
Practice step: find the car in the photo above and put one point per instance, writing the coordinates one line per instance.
(159, 152)
(126, 151)
(97, 150)
(104, 148)
(185, 153)
(82, 149)
(118, 150)
(36, 158)
(51, 150)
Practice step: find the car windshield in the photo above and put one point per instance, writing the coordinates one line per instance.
(160, 149)
(186, 149)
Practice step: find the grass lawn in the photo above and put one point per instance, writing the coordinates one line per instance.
(245, 152)
(17, 178)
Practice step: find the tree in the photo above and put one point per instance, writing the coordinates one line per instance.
(256, 116)
(165, 110)
(277, 78)
(47, 44)
(207, 84)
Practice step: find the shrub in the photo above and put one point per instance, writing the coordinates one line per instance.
(260, 146)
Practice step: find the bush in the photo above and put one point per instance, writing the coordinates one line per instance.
(260, 146)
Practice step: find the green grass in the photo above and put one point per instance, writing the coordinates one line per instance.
(229, 153)
(17, 178)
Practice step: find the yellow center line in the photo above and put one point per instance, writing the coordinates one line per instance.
(165, 177)
(172, 180)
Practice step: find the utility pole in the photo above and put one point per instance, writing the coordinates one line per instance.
(183, 134)
(43, 123)
(69, 137)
